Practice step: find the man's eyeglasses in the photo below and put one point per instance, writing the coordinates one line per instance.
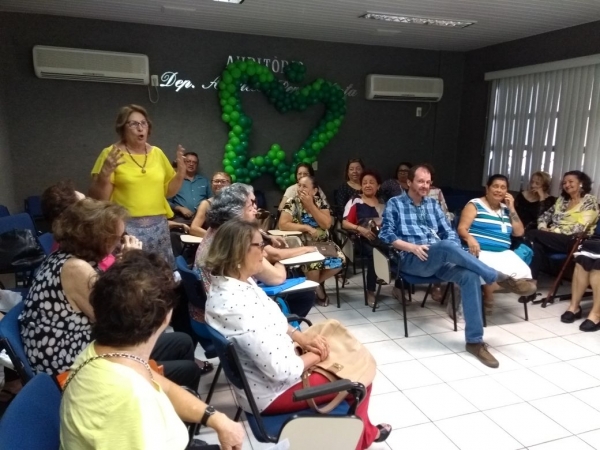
(260, 245)
(134, 124)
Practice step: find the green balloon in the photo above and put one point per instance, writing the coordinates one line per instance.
(322, 137)
(227, 78)
(292, 178)
(225, 95)
(229, 169)
(281, 155)
(237, 130)
(302, 154)
(315, 146)
(232, 101)
(226, 162)
(225, 118)
(233, 177)
(253, 174)
(260, 161)
(231, 88)
(275, 162)
(234, 141)
(251, 70)
(228, 109)
(236, 73)
(239, 172)
(235, 116)
(232, 154)
(228, 148)
(275, 147)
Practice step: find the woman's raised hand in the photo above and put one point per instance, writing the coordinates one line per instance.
(131, 243)
(180, 159)
(112, 161)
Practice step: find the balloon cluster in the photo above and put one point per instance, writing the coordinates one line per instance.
(236, 161)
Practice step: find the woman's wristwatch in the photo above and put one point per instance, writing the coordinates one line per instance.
(208, 412)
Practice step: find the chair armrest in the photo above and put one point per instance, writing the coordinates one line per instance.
(294, 318)
(330, 388)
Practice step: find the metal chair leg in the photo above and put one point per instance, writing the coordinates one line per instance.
(404, 309)
(426, 295)
(337, 292)
(238, 414)
(453, 306)
(214, 384)
(526, 312)
(376, 297)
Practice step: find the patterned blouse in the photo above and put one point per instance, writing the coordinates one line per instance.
(344, 193)
(560, 220)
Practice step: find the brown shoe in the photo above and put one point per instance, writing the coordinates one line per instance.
(481, 352)
(522, 286)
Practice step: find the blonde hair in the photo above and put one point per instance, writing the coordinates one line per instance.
(545, 177)
(123, 118)
(230, 245)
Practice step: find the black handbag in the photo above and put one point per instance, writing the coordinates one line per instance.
(19, 248)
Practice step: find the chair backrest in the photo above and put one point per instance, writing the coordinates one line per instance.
(20, 221)
(10, 339)
(348, 249)
(293, 241)
(194, 289)
(33, 206)
(46, 241)
(4, 212)
(32, 420)
(382, 266)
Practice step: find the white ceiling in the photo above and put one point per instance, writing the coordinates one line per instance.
(337, 20)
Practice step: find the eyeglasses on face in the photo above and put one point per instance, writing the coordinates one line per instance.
(191, 161)
(260, 245)
(216, 181)
(135, 124)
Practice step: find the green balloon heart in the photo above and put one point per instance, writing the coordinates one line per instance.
(236, 160)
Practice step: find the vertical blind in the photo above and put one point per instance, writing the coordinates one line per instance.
(545, 121)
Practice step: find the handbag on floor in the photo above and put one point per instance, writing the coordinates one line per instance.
(348, 359)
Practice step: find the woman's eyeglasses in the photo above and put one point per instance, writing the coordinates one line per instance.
(221, 181)
(134, 124)
(260, 245)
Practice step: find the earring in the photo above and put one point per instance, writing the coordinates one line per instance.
(239, 266)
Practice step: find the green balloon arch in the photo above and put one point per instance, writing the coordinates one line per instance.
(236, 161)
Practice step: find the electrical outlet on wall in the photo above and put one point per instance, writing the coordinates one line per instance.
(419, 111)
(154, 80)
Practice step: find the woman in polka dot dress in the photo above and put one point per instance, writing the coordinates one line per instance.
(55, 323)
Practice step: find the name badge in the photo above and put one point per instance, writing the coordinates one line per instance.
(504, 228)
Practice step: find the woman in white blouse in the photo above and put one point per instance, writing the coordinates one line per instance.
(242, 312)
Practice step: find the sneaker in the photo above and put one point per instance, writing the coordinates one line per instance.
(481, 352)
(521, 286)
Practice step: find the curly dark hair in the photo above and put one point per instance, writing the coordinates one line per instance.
(57, 198)
(371, 173)
(584, 180)
(132, 299)
(88, 229)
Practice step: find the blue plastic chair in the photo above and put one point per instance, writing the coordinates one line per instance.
(33, 206)
(10, 340)
(4, 212)
(269, 428)
(20, 221)
(194, 291)
(46, 241)
(32, 420)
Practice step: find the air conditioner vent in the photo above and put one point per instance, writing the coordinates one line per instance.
(401, 88)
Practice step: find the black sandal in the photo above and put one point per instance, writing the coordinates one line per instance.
(205, 366)
(384, 432)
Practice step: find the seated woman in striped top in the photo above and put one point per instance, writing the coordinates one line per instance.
(487, 224)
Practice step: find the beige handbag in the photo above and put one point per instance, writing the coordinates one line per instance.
(348, 359)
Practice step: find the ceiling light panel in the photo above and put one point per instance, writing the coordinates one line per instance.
(397, 18)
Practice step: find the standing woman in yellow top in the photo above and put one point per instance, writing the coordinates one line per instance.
(575, 211)
(139, 177)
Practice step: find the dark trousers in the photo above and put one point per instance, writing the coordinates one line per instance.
(543, 243)
(366, 251)
(301, 303)
(175, 352)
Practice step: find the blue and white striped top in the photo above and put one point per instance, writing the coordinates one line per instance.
(492, 229)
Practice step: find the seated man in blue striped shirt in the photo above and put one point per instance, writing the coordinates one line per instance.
(415, 225)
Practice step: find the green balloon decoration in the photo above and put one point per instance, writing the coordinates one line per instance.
(236, 160)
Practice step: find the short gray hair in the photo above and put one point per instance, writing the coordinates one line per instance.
(228, 204)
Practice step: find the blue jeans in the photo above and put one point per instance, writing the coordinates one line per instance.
(448, 262)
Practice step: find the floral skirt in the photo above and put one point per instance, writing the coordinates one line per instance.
(154, 233)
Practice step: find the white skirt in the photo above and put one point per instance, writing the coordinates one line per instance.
(507, 262)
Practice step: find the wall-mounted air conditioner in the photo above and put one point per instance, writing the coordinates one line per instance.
(74, 64)
(406, 89)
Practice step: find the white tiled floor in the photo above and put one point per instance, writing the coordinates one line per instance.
(544, 396)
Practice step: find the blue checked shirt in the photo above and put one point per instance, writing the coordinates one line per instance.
(424, 224)
(192, 193)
